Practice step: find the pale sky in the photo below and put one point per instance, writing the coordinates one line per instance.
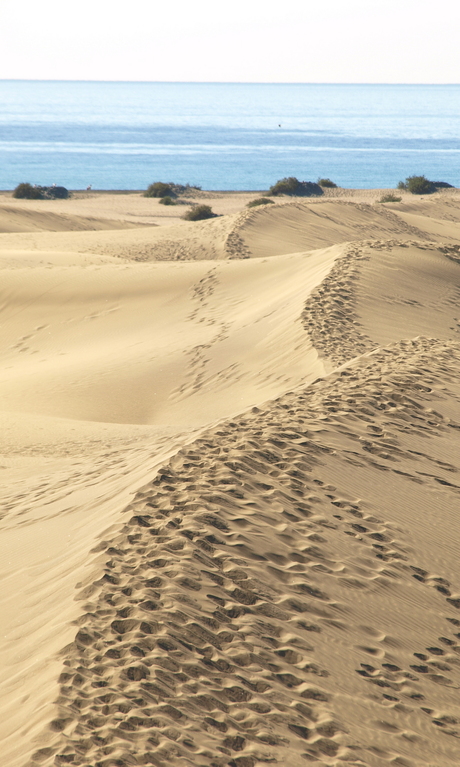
(356, 41)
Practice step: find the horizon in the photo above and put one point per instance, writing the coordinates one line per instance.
(218, 82)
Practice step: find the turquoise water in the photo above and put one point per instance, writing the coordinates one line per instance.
(225, 136)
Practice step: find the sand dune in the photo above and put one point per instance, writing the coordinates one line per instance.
(287, 227)
(230, 507)
(22, 219)
(310, 225)
(177, 242)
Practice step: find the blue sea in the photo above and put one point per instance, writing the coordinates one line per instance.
(124, 135)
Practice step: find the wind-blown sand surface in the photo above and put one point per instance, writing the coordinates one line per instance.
(230, 454)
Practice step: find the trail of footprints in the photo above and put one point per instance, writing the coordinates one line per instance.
(197, 363)
(329, 316)
(201, 642)
(430, 666)
(194, 639)
(235, 246)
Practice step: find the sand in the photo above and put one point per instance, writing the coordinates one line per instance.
(230, 503)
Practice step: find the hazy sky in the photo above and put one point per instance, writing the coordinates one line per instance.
(391, 41)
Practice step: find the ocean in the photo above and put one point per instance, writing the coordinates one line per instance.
(125, 135)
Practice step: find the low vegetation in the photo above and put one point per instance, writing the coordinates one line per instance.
(421, 185)
(161, 189)
(199, 213)
(327, 183)
(26, 191)
(292, 187)
(56, 192)
(259, 201)
(390, 198)
(417, 185)
(167, 201)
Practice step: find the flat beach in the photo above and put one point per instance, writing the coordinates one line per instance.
(230, 498)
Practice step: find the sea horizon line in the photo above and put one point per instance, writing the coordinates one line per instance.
(221, 82)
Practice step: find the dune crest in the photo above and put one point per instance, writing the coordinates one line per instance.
(230, 499)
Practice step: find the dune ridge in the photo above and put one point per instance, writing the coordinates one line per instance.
(236, 537)
(202, 634)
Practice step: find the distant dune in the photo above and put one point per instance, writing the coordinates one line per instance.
(16, 219)
(230, 502)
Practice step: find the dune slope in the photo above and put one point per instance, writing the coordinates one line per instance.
(271, 597)
(107, 368)
(203, 240)
(19, 219)
(309, 225)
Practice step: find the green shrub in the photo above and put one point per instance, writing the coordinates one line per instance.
(167, 201)
(260, 201)
(29, 192)
(199, 213)
(26, 191)
(159, 189)
(390, 198)
(293, 187)
(285, 186)
(417, 185)
(326, 182)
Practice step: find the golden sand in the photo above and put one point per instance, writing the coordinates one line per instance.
(230, 504)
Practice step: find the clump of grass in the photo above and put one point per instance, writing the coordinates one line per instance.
(327, 183)
(390, 198)
(259, 201)
(167, 201)
(199, 213)
(295, 188)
